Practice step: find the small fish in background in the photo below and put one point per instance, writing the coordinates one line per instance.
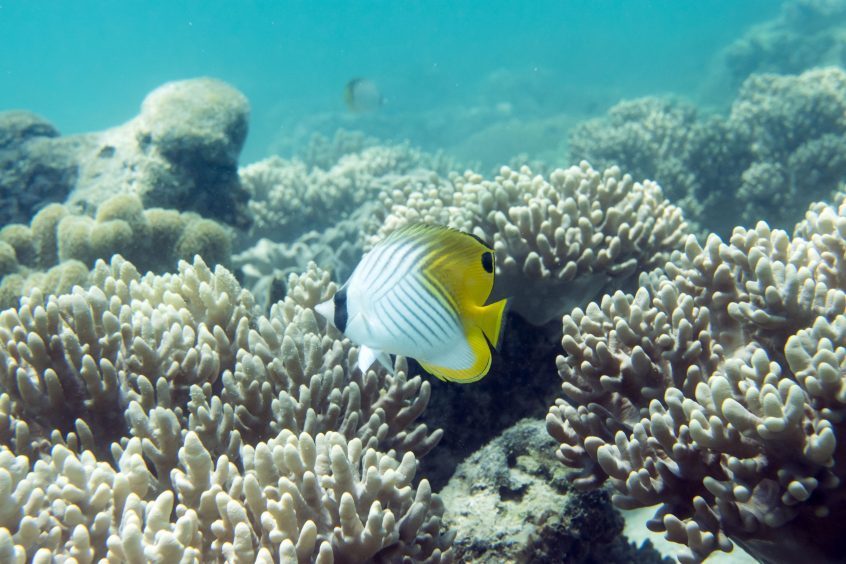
(362, 95)
(421, 293)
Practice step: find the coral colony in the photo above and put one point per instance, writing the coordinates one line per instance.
(168, 392)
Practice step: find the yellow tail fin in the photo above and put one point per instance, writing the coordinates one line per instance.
(490, 318)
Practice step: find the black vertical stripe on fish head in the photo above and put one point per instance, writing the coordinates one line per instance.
(479, 239)
(341, 313)
(487, 262)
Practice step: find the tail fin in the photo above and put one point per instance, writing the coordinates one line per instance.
(490, 319)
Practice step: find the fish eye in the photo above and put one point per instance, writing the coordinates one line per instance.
(487, 261)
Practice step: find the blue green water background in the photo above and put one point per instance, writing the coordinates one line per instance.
(86, 65)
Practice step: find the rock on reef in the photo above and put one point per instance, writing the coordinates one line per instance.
(36, 167)
(511, 501)
(180, 152)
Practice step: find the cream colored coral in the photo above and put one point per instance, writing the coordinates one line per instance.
(718, 392)
(289, 198)
(176, 380)
(80, 356)
(311, 498)
(298, 372)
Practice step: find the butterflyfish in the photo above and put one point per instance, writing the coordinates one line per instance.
(421, 292)
(362, 95)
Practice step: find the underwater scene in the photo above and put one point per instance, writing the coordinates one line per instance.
(423, 281)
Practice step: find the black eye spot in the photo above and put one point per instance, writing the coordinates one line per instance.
(487, 262)
(340, 300)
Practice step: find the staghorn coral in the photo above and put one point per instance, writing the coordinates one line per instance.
(717, 390)
(179, 381)
(559, 240)
(780, 148)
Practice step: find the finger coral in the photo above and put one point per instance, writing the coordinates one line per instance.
(298, 498)
(559, 240)
(159, 417)
(805, 34)
(288, 197)
(717, 391)
(780, 148)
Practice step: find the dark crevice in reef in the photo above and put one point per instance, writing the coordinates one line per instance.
(522, 383)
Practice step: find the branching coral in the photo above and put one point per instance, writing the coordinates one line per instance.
(647, 137)
(317, 206)
(199, 401)
(805, 34)
(780, 148)
(329, 229)
(266, 265)
(719, 392)
(297, 498)
(287, 198)
(558, 241)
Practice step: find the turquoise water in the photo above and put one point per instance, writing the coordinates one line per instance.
(87, 65)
